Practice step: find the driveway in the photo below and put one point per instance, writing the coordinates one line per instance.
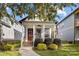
(27, 51)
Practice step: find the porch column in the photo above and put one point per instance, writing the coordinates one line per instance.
(26, 34)
(43, 32)
(33, 34)
(50, 32)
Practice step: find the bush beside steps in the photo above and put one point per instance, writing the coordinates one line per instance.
(37, 41)
(41, 46)
(48, 43)
(53, 47)
(57, 42)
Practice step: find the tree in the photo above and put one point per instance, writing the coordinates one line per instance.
(44, 11)
(48, 11)
(41, 9)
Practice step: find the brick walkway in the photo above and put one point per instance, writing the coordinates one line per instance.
(27, 51)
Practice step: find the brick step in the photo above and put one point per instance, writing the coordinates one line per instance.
(27, 44)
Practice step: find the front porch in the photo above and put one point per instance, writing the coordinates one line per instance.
(36, 29)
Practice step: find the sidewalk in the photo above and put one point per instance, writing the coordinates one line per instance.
(27, 51)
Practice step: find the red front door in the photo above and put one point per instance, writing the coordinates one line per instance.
(30, 35)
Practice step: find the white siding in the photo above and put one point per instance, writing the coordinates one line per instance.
(20, 30)
(8, 33)
(6, 20)
(66, 29)
(18, 27)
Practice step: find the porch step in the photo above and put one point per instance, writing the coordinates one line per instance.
(27, 44)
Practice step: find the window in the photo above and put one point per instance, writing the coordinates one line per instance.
(47, 32)
(38, 33)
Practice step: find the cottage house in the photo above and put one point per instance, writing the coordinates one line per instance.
(68, 28)
(35, 28)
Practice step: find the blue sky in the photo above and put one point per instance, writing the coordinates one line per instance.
(65, 12)
(60, 13)
(9, 11)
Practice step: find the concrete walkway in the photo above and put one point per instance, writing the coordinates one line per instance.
(27, 51)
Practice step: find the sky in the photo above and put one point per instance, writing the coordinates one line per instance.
(9, 11)
(66, 11)
(60, 13)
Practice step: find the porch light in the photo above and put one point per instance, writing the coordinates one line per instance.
(25, 40)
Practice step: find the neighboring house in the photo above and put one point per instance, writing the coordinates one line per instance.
(68, 28)
(19, 31)
(10, 31)
(35, 28)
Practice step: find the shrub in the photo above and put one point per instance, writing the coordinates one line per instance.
(17, 45)
(9, 47)
(53, 47)
(37, 41)
(48, 41)
(57, 41)
(12, 42)
(41, 46)
(1, 48)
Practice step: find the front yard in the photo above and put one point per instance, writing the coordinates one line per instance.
(10, 48)
(65, 50)
(9, 53)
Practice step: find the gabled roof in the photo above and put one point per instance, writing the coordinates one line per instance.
(23, 19)
(69, 14)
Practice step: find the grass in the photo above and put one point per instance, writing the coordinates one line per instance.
(65, 50)
(9, 53)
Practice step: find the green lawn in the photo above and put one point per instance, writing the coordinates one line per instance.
(65, 50)
(9, 53)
